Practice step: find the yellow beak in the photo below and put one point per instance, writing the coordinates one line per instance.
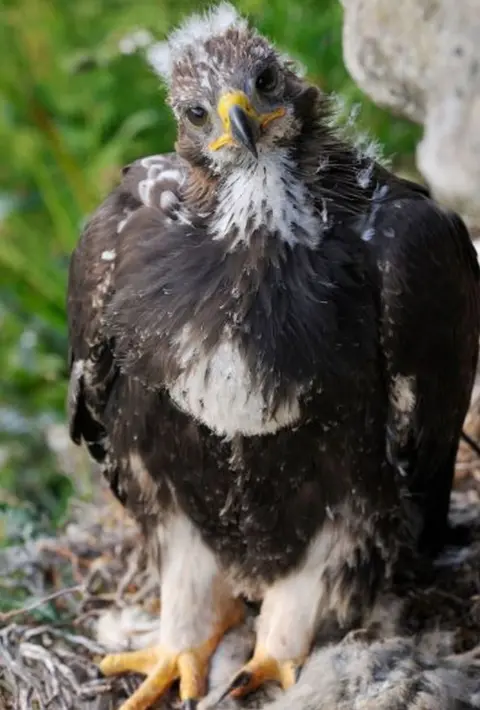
(242, 124)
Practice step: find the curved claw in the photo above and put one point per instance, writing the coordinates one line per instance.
(261, 669)
(298, 672)
(242, 681)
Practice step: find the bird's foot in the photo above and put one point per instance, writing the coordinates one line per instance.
(261, 669)
(159, 665)
(163, 667)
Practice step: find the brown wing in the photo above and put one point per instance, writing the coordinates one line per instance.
(151, 183)
(430, 329)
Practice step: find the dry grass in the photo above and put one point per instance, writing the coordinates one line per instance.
(87, 569)
(49, 646)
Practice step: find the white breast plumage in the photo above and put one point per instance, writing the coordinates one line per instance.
(218, 390)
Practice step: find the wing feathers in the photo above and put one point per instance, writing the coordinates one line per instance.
(149, 183)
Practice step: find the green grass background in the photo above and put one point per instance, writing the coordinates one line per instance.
(73, 110)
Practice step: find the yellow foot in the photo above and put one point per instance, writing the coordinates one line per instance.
(162, 668)
(261, 669)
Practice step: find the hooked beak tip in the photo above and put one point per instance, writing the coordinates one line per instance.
(244, 129)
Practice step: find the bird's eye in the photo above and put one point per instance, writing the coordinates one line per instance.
(267, 80)
(197, 115)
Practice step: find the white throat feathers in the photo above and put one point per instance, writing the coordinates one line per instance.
(266, 193)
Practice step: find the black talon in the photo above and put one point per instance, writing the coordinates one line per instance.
(190, 704)
(223, 696)
(240, 681)
(298, 671)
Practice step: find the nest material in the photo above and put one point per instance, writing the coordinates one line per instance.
(420, 644)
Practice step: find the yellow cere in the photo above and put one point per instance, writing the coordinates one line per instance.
(234, 98)
(238, 98)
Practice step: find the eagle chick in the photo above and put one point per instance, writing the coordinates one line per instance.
(273, 342)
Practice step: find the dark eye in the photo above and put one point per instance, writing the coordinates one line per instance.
(267, 80)
(197, 115)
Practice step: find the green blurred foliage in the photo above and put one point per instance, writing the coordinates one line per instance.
(73, 110)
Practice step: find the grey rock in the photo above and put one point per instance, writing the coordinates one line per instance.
(421, 59)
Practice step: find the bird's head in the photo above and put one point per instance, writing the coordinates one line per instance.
(232, 93)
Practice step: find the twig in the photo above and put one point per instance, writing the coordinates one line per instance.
(471, 442)
(462, 466)
(24, 610)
